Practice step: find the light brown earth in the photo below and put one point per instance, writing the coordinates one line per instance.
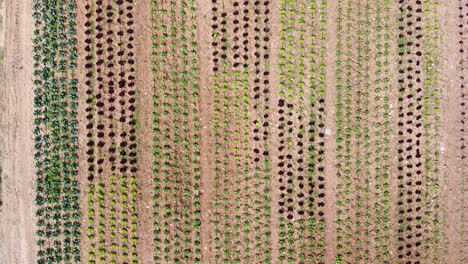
(144, 107)
(206, 126)
(17, 192)
(330, 142)
(82, 163)
(454, 167)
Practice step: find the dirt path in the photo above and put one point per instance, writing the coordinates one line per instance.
(82, 165)
(17, 220)
(206, 126)
(330, 136)
(144, 82)
(452, 142)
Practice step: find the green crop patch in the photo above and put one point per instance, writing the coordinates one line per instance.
(55, 132)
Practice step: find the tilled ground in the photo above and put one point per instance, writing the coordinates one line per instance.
(226, 131)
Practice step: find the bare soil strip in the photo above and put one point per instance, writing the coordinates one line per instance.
(419, 139)
(82, 131)
(144, 82)
(2, 30)
(2, 73)
(393, 137)
(17, 220)
(274, 142)
(206, 125)
(454, 47)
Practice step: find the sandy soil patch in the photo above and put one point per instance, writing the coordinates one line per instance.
(17, 220)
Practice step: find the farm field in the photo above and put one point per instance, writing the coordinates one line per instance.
(233, 131)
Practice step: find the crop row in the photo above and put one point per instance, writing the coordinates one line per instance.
(432, 96)
(239, 33)
(381, 130)
(241, 130)
(55, 132)
(347, 156)
(176, 132)
(231, 99)
(259, 131)
(224, 228)
(410, 190)
(418, 149)
(111, 149)
(363, 113)
(301, 131)
(345, 186)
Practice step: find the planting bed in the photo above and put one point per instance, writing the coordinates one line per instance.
(176, 132)
(418, 133)
(236, 131)
(55, 132)
(364, 124)
(241, 131)
(300, 131)
(109, 207)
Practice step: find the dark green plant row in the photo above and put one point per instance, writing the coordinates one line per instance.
(55, 131)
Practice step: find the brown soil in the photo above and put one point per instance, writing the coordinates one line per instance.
(2, 77)
(274, 142)
(82, 140)
(17, 221)
(330, 138)
(206, 130)
(453, 164)
(145, 116)
(2, 29)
